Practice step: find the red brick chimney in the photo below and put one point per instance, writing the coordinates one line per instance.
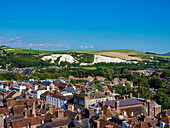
(101, 115)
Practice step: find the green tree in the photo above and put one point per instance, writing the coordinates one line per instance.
(72, 81)
(120, 89)
(155, 82)
(165, 74)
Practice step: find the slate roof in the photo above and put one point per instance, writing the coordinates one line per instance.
(46, 83)
(83, 123)
(123, 102)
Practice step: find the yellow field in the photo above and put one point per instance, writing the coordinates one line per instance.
(124, 56)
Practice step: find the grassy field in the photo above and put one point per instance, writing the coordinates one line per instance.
(153, 55)
(126, 54)
(89, 68)
(98, 51)
(30, 51)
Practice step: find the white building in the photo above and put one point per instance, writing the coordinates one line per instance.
(19, 87)
(57, 100)
(38, 91)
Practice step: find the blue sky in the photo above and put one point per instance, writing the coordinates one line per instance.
(142, 25)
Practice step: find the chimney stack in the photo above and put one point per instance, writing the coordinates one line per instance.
(79, 115)
(33, 109)
(46, 106)
(132, 114)
(113, 91)
(70, 107)
(25, 113)
(26, 97)
(41, 104)
(130, 95)
(117, 103)
(138, 95)
(51, 109)
(150, 108)
(60, 113)
(35, 95)
(101, 115)
(103, 103)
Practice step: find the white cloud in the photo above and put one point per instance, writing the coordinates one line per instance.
(91, 46)
(16, 38)
(82, 46)
(30, 44)
(85, 47)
